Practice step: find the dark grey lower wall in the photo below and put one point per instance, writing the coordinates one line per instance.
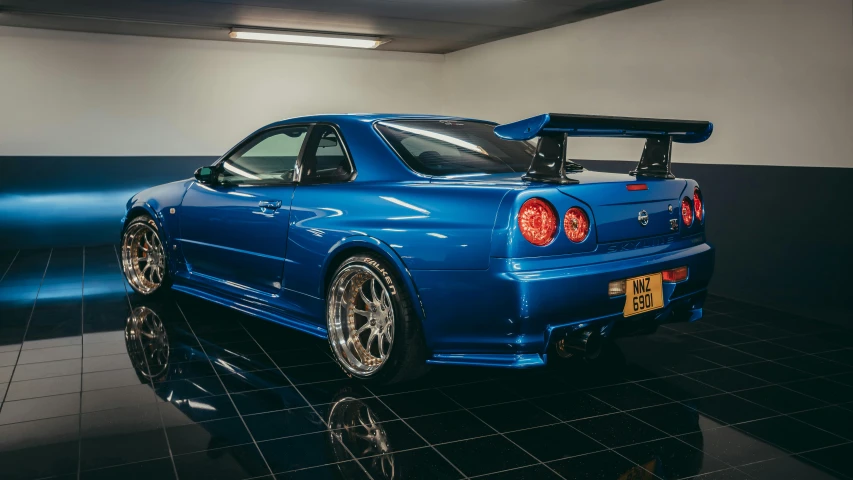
(783, 234)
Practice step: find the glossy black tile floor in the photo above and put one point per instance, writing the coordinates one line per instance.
(99, 383)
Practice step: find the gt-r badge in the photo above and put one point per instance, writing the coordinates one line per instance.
(643, 218)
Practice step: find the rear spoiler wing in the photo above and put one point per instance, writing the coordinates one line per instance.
(549, 162)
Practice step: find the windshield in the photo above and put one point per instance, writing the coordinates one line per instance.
(451, 147)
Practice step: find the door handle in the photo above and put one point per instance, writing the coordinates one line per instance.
(269, 204)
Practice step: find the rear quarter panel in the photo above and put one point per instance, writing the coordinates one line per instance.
(428, 226)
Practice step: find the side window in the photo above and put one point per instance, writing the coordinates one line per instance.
(269, 158)
(325, 160)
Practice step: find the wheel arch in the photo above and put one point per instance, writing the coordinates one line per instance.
(138, 211)
(352, 246)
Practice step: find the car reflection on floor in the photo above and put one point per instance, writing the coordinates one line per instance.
(353, 429)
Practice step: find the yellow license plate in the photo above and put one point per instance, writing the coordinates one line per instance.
(643, 294)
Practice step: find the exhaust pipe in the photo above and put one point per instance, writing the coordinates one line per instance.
(585, 343)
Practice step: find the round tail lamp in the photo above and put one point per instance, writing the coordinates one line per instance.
(576, 224)
(537, 221)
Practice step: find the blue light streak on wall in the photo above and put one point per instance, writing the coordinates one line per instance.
(66, 201)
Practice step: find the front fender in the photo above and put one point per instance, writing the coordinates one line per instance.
(162, 204)
(352, 244)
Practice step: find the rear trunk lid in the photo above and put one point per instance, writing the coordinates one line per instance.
(616, 209)
(619, 212)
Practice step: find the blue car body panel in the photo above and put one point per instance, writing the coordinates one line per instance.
(484, 295)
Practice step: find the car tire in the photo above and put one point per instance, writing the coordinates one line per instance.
(144, 259)
(374, 332)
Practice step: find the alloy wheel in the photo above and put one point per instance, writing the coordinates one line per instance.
(360, 320)
(143, 258)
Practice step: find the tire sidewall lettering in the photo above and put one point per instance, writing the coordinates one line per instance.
(383, 272)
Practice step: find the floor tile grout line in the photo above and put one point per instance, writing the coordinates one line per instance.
(770, 384)
(148, 367)
(18, 252)
(80, 409)
(668, 435)
(640, 382)
(821, 464)
(233, 404)
(418, 434)
(770, 361)
(778, 413)
(26, 329)
(754, 339)
(669, 402)
(296, 389)
(576, 429)
(532, 398)
(534, 457)
(799, 353)
(831, 470)
(603, 449)
(137, 462)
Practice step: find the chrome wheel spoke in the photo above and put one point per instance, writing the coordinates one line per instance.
(363, 296)
(373, 292)
(381, 344)
(362, 328)
(370, 339)
(386, 301)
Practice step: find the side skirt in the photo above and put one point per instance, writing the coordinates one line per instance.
(241, 305)
(524, 360)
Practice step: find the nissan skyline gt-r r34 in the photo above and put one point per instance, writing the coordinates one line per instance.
(414, 240)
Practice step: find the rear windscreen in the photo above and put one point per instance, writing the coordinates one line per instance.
(450, 147)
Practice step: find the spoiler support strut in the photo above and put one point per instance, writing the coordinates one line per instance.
(553, 129)
(549, 161)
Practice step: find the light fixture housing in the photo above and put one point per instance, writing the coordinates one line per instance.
(304, 38)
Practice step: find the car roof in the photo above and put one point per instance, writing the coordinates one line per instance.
(352, 118)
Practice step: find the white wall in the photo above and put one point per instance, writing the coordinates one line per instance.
(65, 93)
(775, 77)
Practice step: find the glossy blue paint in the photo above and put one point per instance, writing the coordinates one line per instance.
(484, 295)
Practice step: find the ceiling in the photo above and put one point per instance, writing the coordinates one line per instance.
(429, 26)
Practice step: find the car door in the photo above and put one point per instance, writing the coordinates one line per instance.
(321, 203)
(234, 229)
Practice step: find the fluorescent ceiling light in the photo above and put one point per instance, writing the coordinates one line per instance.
(313, 39)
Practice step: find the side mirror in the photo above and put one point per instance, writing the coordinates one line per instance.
(205, 175)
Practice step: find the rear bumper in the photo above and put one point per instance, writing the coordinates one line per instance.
(510, 314)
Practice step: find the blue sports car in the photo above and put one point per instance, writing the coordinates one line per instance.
(415, 240)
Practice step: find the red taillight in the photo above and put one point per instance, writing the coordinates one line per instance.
(537, 221)
(576, 224)
(698, 208)
(633, 187)
(674, 275)
(686, 212)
